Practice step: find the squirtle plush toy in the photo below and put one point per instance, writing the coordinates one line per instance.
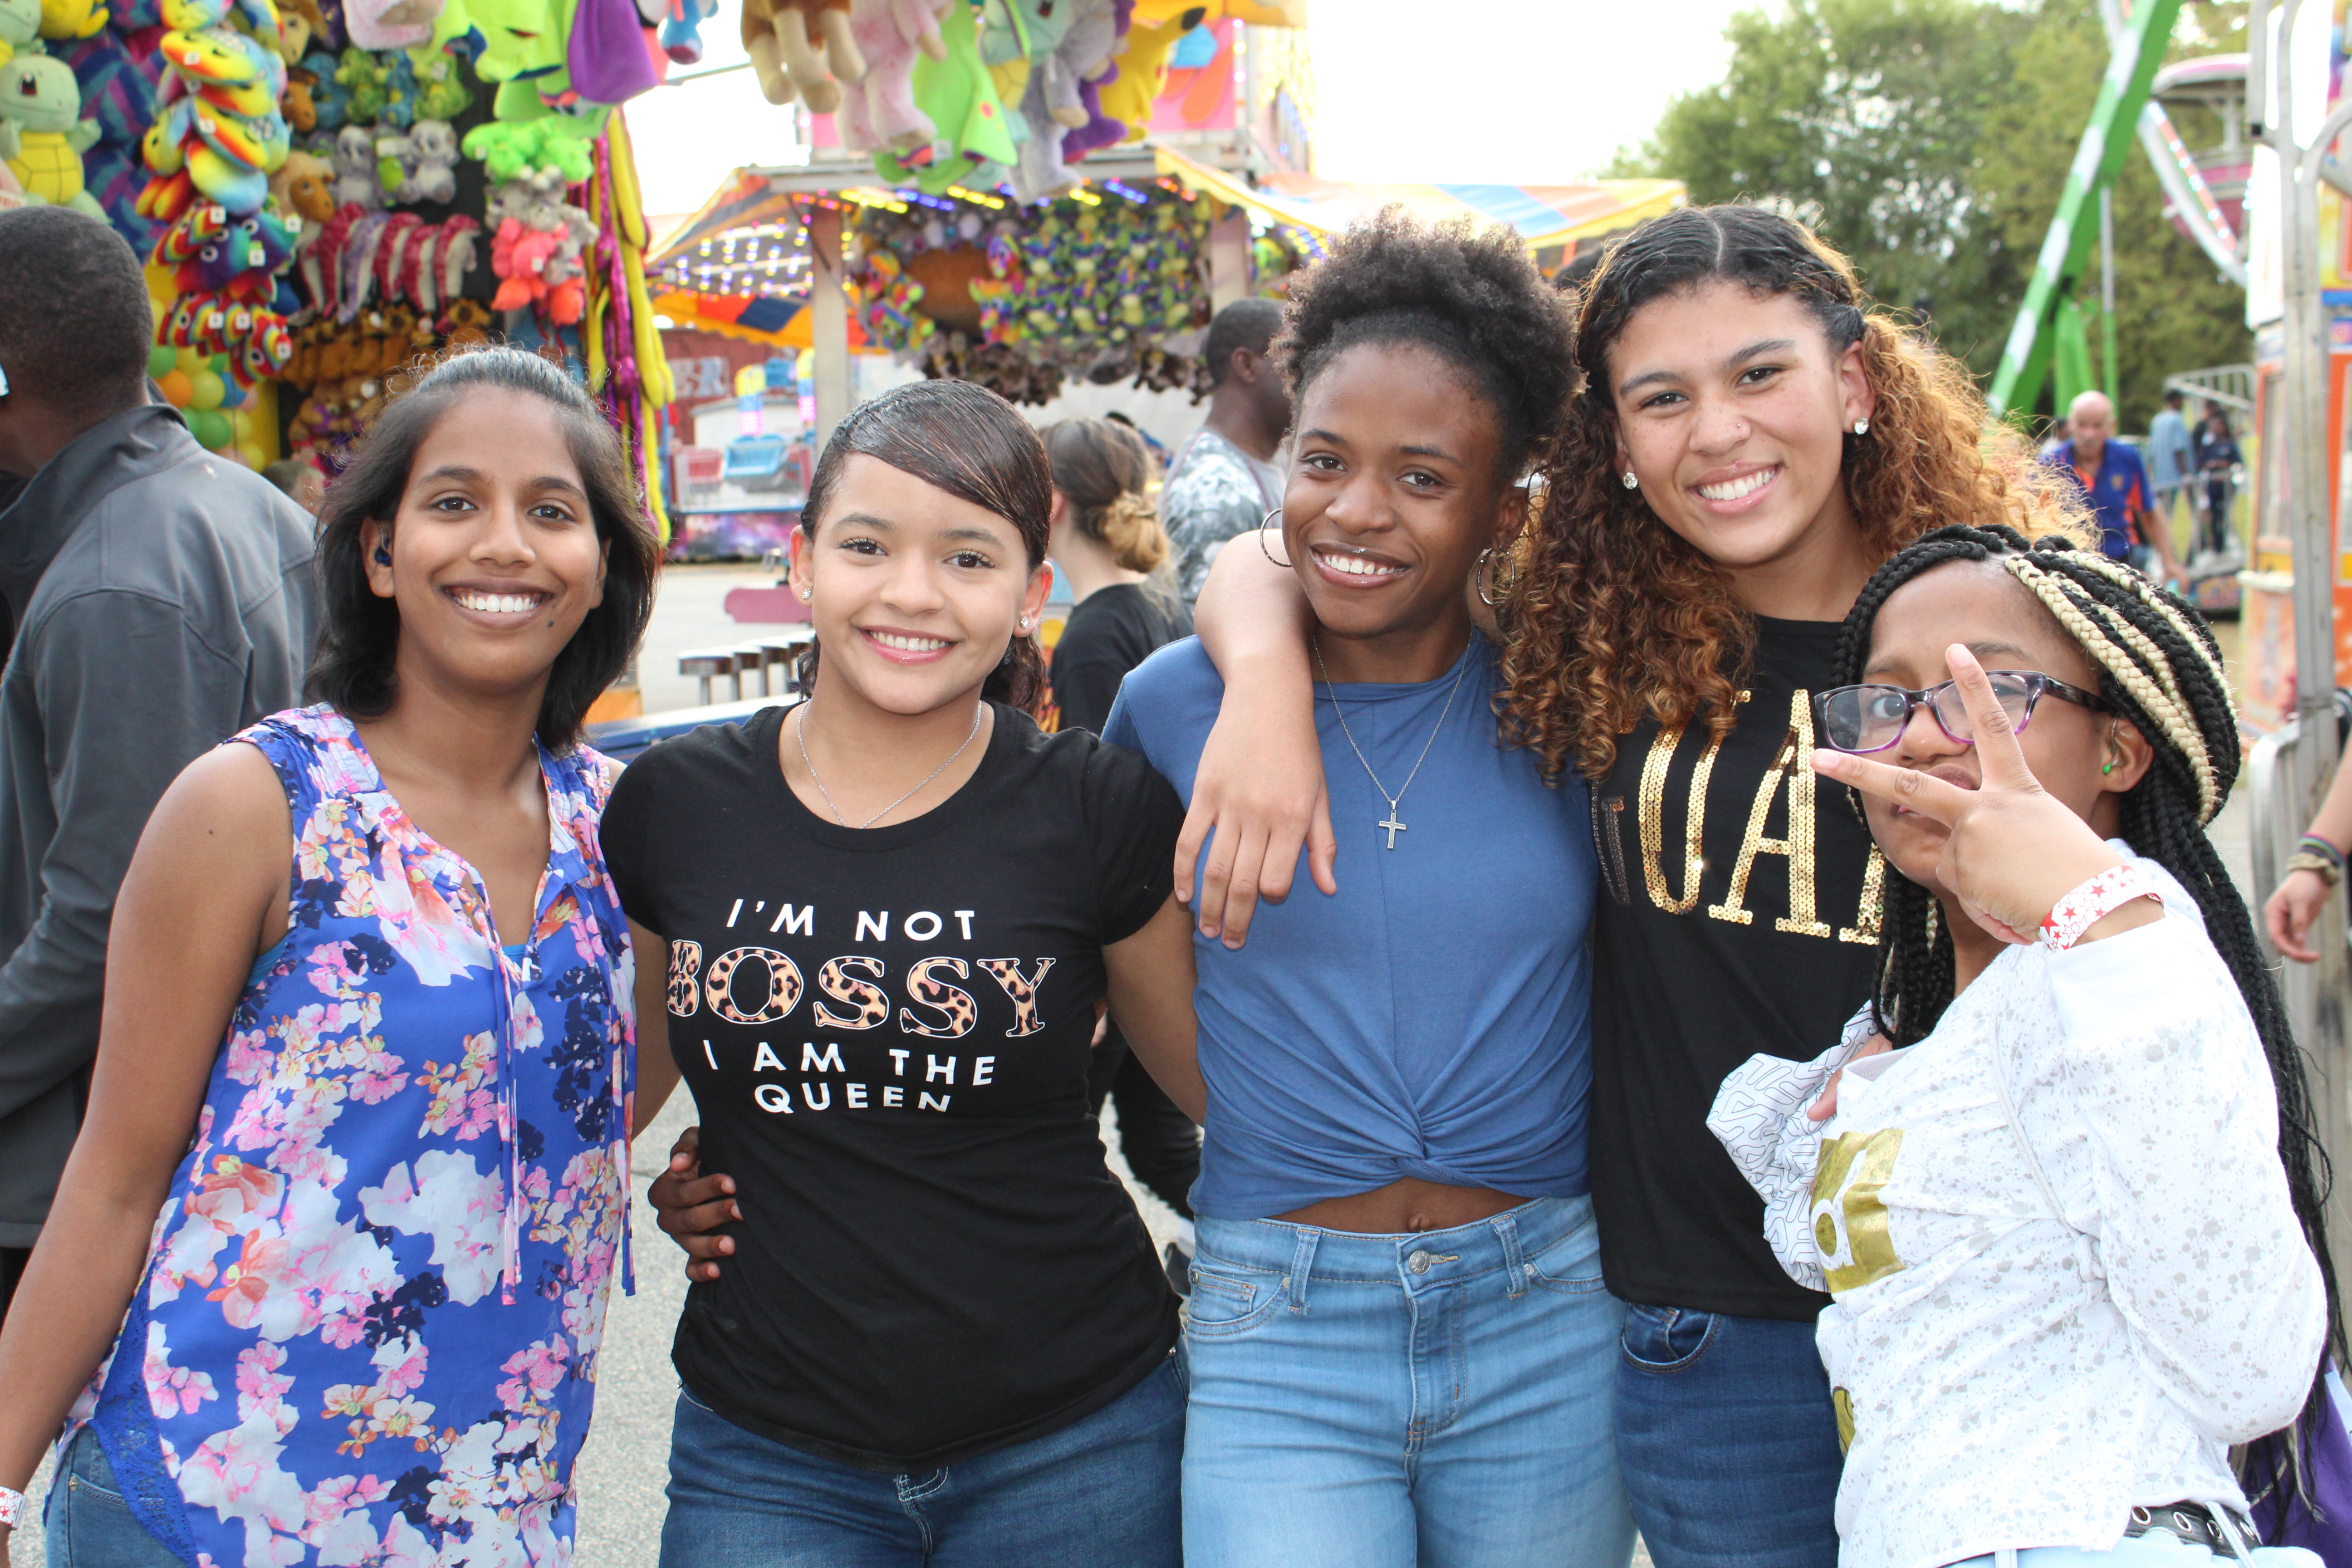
(20, 27)
(42, 133)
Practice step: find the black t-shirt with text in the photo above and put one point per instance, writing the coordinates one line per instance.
(1739, 912)
(886, 1034)
(1110, 632)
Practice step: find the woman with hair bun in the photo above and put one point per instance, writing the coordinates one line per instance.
(1398, 1344)
(1749, 439)
(1107, 541)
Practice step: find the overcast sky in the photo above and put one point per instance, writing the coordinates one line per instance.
(1509, 92)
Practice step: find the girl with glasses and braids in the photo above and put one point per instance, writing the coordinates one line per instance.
(2060, 1175)
(1748, 440)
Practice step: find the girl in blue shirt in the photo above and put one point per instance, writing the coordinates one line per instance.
(1399, 1346)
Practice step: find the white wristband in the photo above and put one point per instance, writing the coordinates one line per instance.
(2094, 901)
(12, 1505)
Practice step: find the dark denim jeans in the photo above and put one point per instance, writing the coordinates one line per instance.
(1101, 1493)
(1727, 1440)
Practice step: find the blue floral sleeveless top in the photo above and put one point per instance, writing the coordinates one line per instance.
(368, 1328)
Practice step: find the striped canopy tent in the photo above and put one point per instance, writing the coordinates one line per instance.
(1548, 217)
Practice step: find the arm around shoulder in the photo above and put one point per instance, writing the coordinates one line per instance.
(1259, 790)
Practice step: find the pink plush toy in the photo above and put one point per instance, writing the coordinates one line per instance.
(878, 111)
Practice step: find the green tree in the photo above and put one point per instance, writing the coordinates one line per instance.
(2174, 312)
(1929, 140)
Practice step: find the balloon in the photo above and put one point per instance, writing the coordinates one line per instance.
(205, 390)
(177, 387)
(190, 361)
(250, 454)
(210, 429)
(233, 396)
(161, 360)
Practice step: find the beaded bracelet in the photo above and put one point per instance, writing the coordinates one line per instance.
(2094, 901)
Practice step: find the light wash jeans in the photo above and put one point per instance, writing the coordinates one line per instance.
(84, 1524)
(1439, 1399)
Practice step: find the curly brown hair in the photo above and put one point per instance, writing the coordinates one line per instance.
(1613, 617)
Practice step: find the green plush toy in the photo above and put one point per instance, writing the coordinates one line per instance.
(42, 133)
(510, 149)
(959, 95)
(20, 27)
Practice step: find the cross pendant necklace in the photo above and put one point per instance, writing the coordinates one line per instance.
(1389, 825)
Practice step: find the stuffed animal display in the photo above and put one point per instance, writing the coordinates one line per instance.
(806, 47)
(1099, 290)
(219, 134)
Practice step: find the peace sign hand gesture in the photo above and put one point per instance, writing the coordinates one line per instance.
(2013, 849)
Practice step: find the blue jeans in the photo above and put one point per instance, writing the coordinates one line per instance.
(84, 1524)
(1386, 1401)
(1729, 1440)
(1100, 1493)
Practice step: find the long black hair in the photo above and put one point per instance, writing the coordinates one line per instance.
(352, 666)
(958, 437)
(2161, 670)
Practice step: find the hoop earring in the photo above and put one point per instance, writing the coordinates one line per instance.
(1263, 523)
(1478, 579)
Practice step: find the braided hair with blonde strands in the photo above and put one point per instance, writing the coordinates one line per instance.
(1613, 618)
(2161, 670)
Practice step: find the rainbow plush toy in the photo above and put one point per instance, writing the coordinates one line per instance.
(219, 134)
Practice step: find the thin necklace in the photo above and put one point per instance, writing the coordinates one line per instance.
(1391, 826)
(800, 733)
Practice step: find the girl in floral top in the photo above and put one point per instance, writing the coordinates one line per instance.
(355, 1160)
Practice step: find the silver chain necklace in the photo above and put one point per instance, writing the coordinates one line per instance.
(1391, 826)
(800, 733)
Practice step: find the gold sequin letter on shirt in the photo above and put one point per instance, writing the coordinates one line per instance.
(1654, 818)
(1865, 929)
(1793, 765)
(1854, 1169)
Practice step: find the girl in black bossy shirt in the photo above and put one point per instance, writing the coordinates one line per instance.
(886, 917)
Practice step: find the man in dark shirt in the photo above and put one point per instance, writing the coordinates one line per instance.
(159, 599)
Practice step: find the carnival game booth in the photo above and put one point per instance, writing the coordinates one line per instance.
(326, 193)
(1110, 281)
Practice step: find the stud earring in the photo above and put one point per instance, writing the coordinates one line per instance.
(1862, 426)
(1633, 481)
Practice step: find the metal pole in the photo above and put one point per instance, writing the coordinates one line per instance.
(829, 322)
(2315, 993)
(2113, 378)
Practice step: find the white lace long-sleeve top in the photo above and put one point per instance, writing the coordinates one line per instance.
(2017, 1366)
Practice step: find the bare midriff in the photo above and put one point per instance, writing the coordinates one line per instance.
(1409, 1205)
